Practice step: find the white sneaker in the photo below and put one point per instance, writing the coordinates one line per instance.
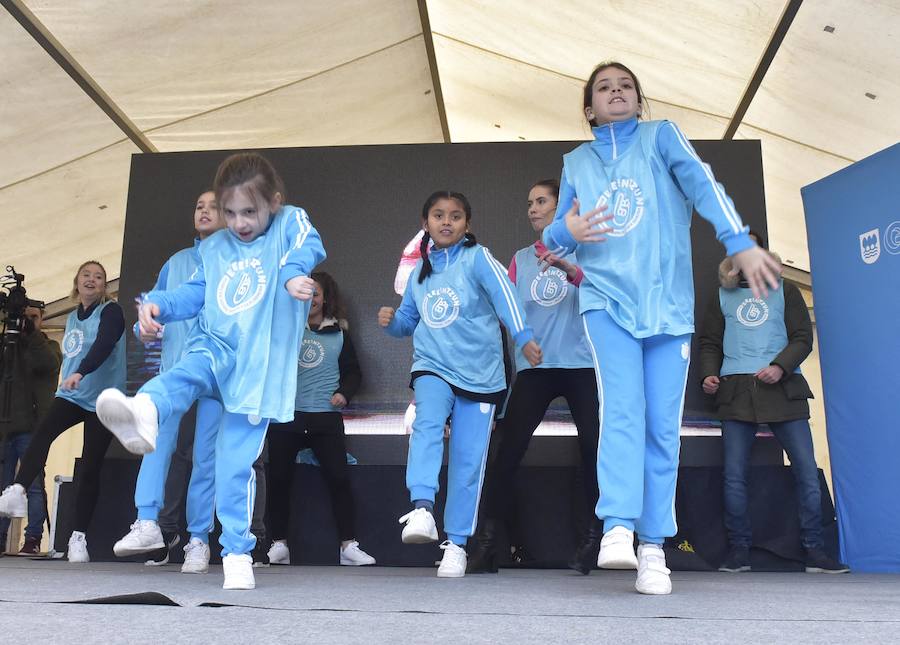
(13, 501)
(353, 556)
(78, 552)
(143, 537)
(653, 575)
(196, 557)
(238, 569)
(133, 420)
(453, 564)
(617, 549)
(279, 553)
(420, 527)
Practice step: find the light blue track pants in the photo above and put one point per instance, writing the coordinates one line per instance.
(470, 423)
(640, 386)
(238, 444)
(149, 493)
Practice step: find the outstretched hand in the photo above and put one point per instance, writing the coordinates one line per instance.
(760, 269)
(584, 228)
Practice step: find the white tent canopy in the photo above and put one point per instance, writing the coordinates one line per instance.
(216, 74)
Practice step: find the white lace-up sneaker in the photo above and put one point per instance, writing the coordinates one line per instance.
(13, 501)
(353, 556)
(420, 527)
(196, 557)
(78, 552)
(653, 575)
(143, 537)
(617, 549)
(133, 420)
(279, 553)
(453, 564)
(238, 571)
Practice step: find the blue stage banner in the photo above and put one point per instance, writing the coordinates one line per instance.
(853, 231)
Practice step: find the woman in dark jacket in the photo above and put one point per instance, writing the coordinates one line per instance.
(750, 355)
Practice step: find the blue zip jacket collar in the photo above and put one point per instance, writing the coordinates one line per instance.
(443, 258)
(612, 139)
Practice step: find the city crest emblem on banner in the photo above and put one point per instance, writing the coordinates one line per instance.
(870, 246)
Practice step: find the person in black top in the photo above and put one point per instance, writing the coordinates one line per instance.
(93, 359)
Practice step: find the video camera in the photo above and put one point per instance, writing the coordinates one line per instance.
(14, 301)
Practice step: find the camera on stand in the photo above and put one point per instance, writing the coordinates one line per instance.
(14, 301)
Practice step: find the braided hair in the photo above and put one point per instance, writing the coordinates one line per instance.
(423, 245)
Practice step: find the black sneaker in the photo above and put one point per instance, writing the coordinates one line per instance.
(32, 546)
(161, 556)
(520, 557)
(260, 553)
(817, 561)
(738, 560)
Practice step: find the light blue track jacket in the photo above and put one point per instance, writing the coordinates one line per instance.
(651, 179)
(453, 318)
(177, 270)
(250, 326)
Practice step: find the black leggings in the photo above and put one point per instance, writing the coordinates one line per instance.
(531, 395)
(323, 432)
(61, 416)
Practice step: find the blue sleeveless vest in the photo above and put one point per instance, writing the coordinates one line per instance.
(249, 325)
(551, 308)
(642, 274)
(754, 330)
(77, 342)
(318, 374)
(182, 267)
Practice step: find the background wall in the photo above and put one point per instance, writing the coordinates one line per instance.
(366, 201)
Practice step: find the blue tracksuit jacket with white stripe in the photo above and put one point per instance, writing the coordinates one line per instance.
(453, 318)
(651, 179)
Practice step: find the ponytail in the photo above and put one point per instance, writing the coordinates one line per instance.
(426, 263)
(470, 240)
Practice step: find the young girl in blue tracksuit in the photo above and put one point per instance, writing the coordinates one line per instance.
(625, 203)
(244, 346)
(146, 534)
(451, 307)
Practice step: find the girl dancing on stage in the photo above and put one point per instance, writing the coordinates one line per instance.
(451, 307)
(244, 346)
(637, 303)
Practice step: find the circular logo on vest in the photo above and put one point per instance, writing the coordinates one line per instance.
(550, 287)
(72, 343)
(242, 286)
(752, 312)
(441, 307)
(625, 202)
(311, 354)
